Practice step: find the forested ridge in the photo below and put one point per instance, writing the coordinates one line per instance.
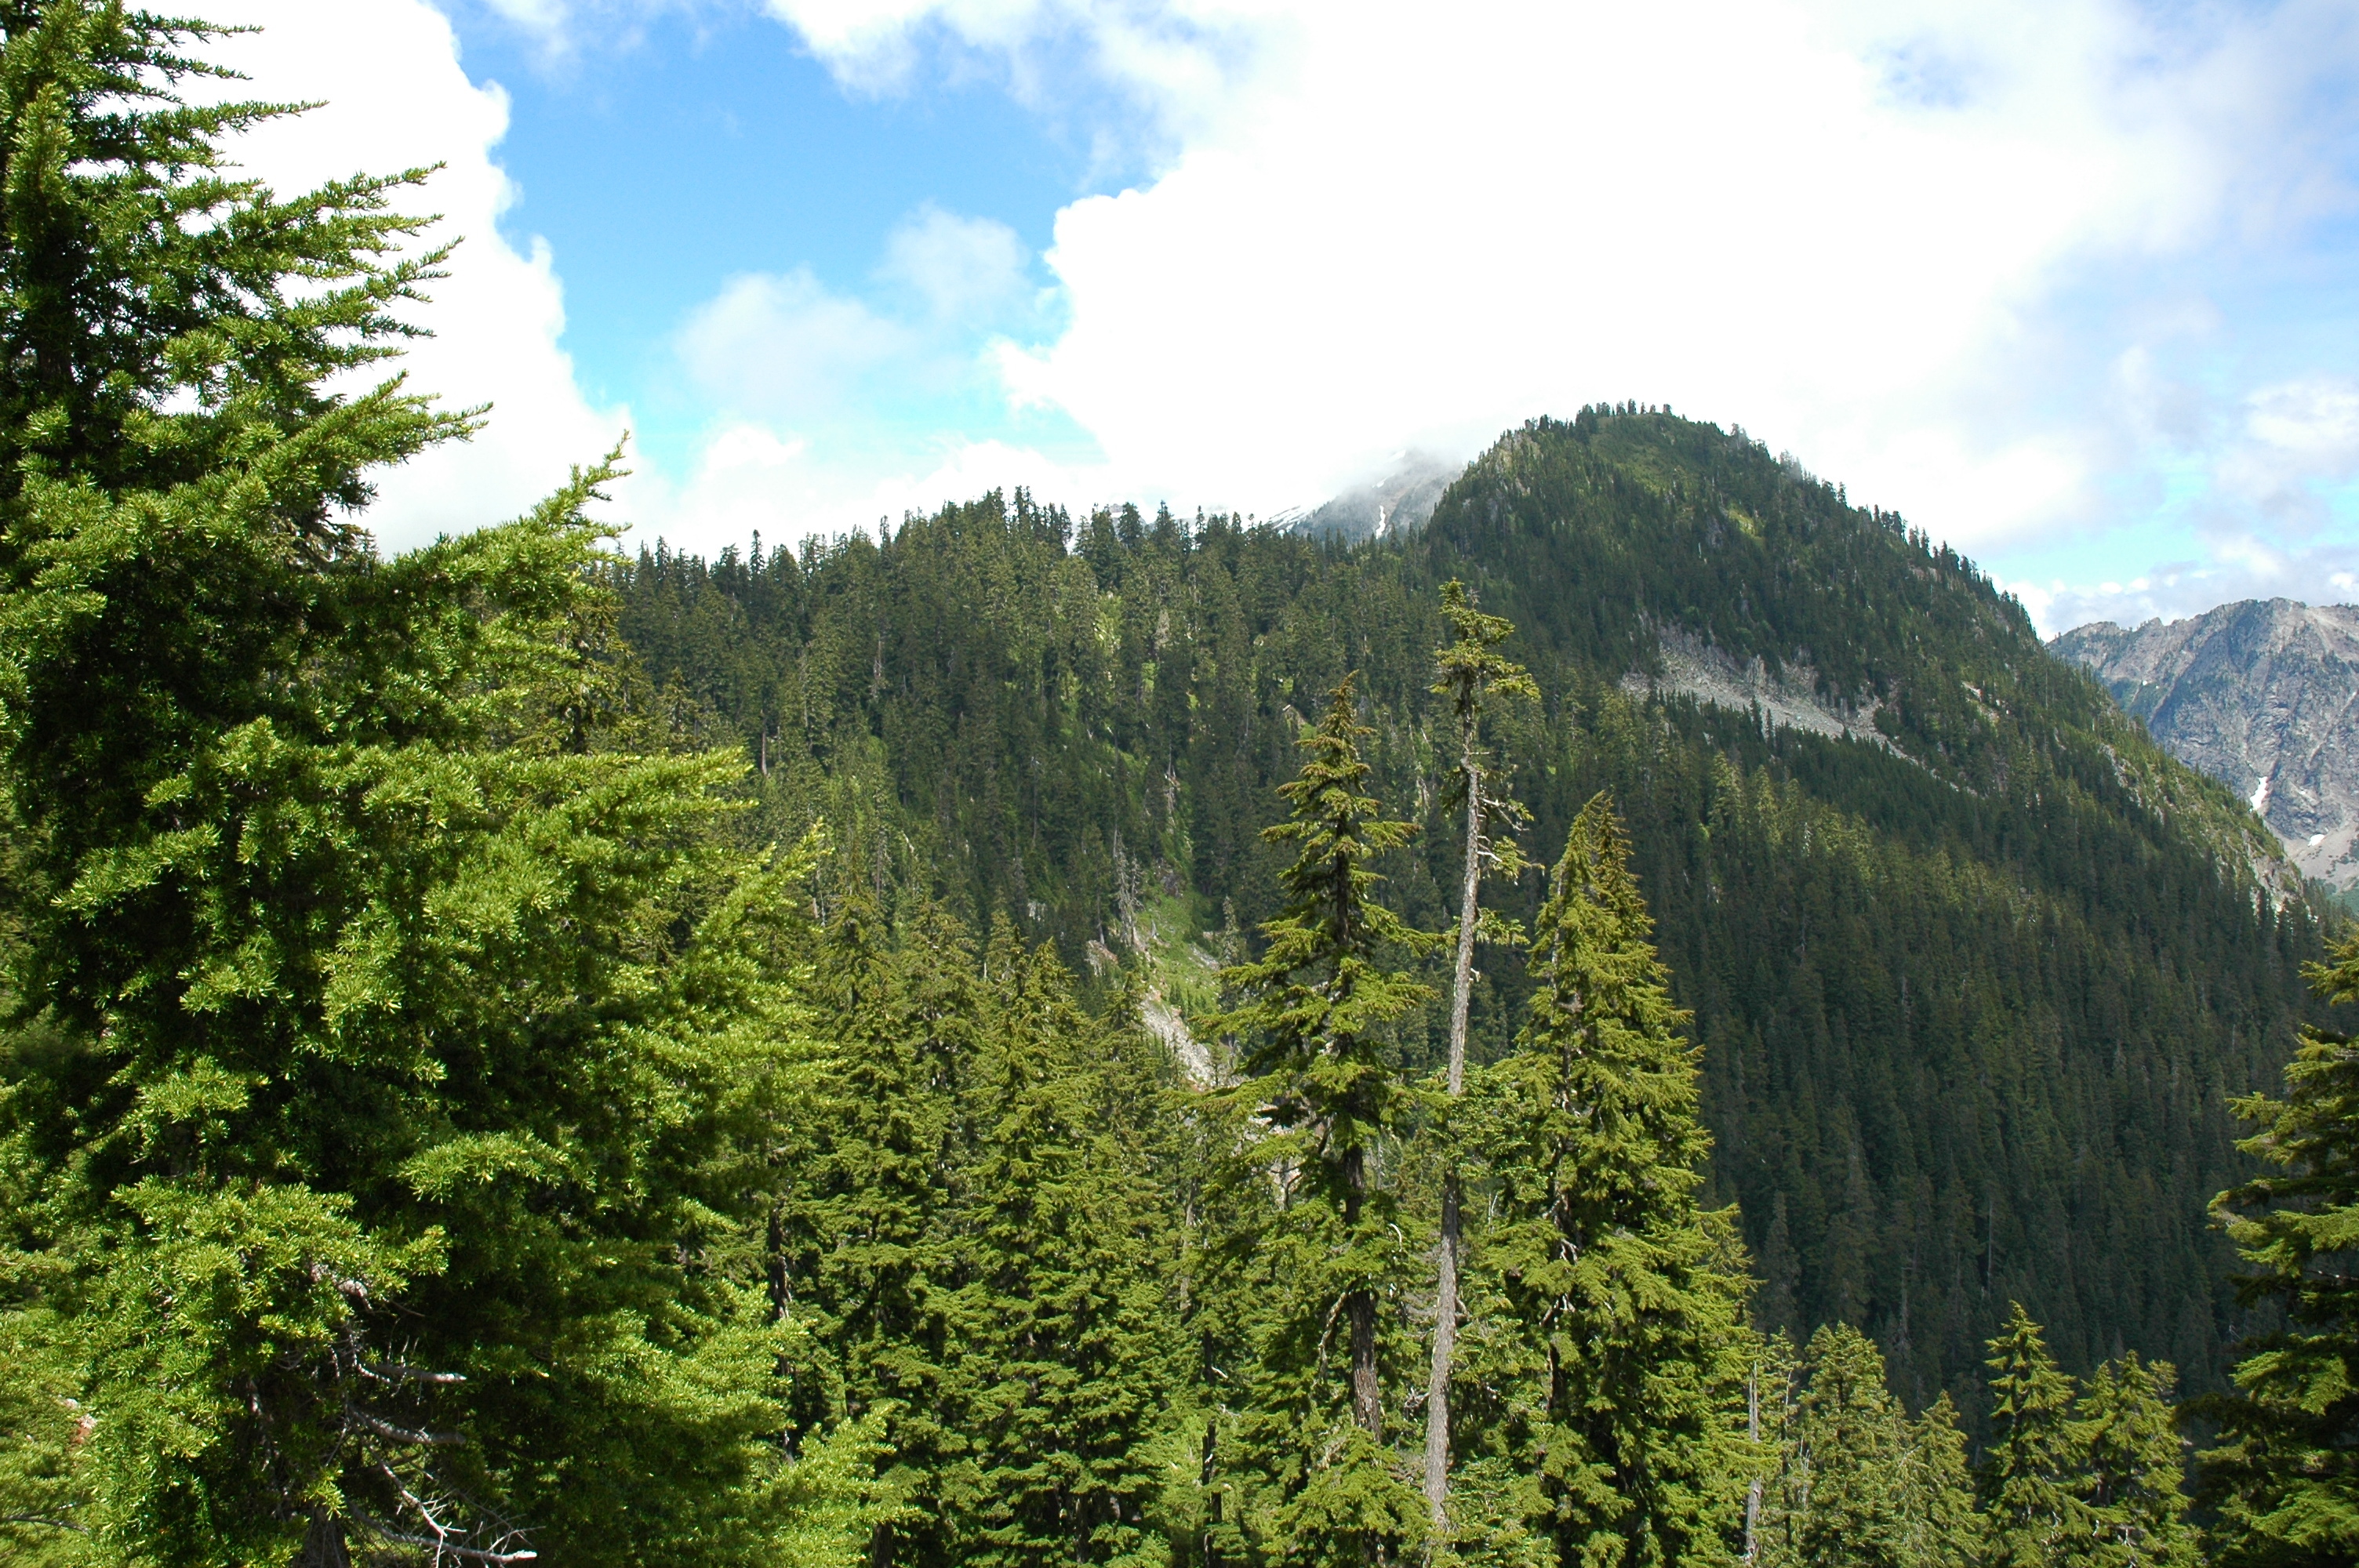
(1971, 1004)
(1033, 1041)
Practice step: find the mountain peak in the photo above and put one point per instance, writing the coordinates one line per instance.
(2263, 695)
(1401, 502)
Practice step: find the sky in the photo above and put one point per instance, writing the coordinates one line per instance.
(2073, 285)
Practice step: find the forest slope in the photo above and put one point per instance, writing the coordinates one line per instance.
(1974, 964)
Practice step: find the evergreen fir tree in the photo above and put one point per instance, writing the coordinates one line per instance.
(2284, 1475)
(1629, 1294)
(869, 1258)
(1853, 1443)
(1939, 1527)
(2033, 1479)
(399, 1022)
(2126, 1427)
(1777, 1499)
(1471, 673)
(1310, 1022)
(1064, 1355)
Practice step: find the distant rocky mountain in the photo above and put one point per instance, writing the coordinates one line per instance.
(1400, 502)
(2262, 695)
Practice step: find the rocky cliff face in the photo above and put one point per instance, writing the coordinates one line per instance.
(2262, 696)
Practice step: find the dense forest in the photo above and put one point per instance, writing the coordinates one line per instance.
(1972, 992)
(1031, 1040)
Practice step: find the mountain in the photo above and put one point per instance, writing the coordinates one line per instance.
(2262, 696)
(1974, 964)
(1402, 501)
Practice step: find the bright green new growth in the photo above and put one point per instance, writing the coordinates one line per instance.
(398, 1030)
(2285, 1476)
(1625, 1435)
(2031, 1477)
(1858, 1484)
(2134, 1463)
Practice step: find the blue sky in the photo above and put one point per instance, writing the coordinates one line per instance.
(2073, 284)
(700, 148)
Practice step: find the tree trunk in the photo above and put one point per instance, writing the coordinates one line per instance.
(1360, 1309)
(1445, 1300)
(324, 1545)
(1753, 1492)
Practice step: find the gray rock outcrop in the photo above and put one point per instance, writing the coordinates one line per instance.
(2262, 696)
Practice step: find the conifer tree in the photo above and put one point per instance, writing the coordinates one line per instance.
(1851, 1433)
(1471, 673)
(1064, 1357)
(868, 1258)
(1629, 1294)
(2129, 1438)
(2034, 1478)
(2284, 1475)
(409, 1022)
(1940, 1526)
(1309, 1023)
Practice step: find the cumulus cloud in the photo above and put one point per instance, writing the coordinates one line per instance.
(751, 479)
(1869, 232)
(1177, 60)
(785, 346)
(395, 98)
(834, 410)
(2297, 435)
(962, 269)
(1966, 259)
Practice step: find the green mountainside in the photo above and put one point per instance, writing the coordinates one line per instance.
(1974, 965)
(948, 1050)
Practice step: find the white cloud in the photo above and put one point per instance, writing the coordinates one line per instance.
(962, 269)
(396, 98)
(1871, 232)
(1854, 228)
(1178, 59)
(2297, 434)
(833, 411)
(785, 346)
(753, 480)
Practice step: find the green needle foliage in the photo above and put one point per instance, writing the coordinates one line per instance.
(974, 1235)
(1857, 1482)
(1852, 1436)
(1472, 671)
(398, 1025)
(2285, 1475)
(2136, 1466)
(2033, 1475)
(1625, 1296)
(1310, 1026)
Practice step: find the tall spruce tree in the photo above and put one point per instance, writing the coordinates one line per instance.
(1471, 673)
(1856, 1481)
(397, 1026)
(2284, 1474)
(2134, 1463)
(1852, 1440)
(866, 1252)
(1065, 1355)
(2034, 1479)
(1627, 1294)
(1939, 1523)
(1309, 1023)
